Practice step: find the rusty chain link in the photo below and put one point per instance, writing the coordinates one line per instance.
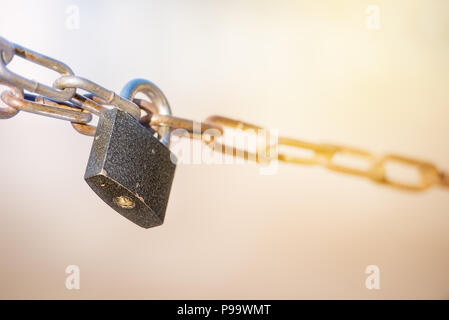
(325, 155)
(63, 102)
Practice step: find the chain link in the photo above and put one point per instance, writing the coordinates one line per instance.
(325, 155)
(48, 108)
(63, 102)
(9, 50)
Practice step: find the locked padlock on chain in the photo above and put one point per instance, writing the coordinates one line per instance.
(130, 166)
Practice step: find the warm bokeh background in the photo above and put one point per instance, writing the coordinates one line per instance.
(309, 68)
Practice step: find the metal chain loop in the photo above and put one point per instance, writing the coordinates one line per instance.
(108, 96)
(7, 111)
(324, 154)
(8, 50)
(63, 102)
(159, 103)
(47, 108)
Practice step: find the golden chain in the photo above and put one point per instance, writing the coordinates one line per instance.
(325, 155)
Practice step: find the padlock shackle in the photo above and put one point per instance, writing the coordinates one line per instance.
(157, 97)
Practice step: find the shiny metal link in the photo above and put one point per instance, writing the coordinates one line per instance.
(193, 127)
(47, 108)
(110, 97)
(9, 50)
(159, 103)
(7, 111)
(318, 152)
(88, 104)
(325, 154)
(158, 121)
(428, 173)
(84, 129)
(230, 150)
(375, 169)
(330, 152)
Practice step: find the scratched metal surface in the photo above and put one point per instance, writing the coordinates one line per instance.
(126, 160)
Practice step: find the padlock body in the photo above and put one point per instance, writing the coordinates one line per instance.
(130, 169)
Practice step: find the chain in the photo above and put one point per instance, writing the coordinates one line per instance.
(326, 154)
(61, 101)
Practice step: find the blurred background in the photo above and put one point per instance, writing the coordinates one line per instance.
(314, 70)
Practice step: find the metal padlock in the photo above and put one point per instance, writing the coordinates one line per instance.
(129, 167)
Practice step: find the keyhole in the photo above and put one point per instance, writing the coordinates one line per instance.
(124, 202)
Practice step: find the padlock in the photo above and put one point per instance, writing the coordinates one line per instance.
(130, 168)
